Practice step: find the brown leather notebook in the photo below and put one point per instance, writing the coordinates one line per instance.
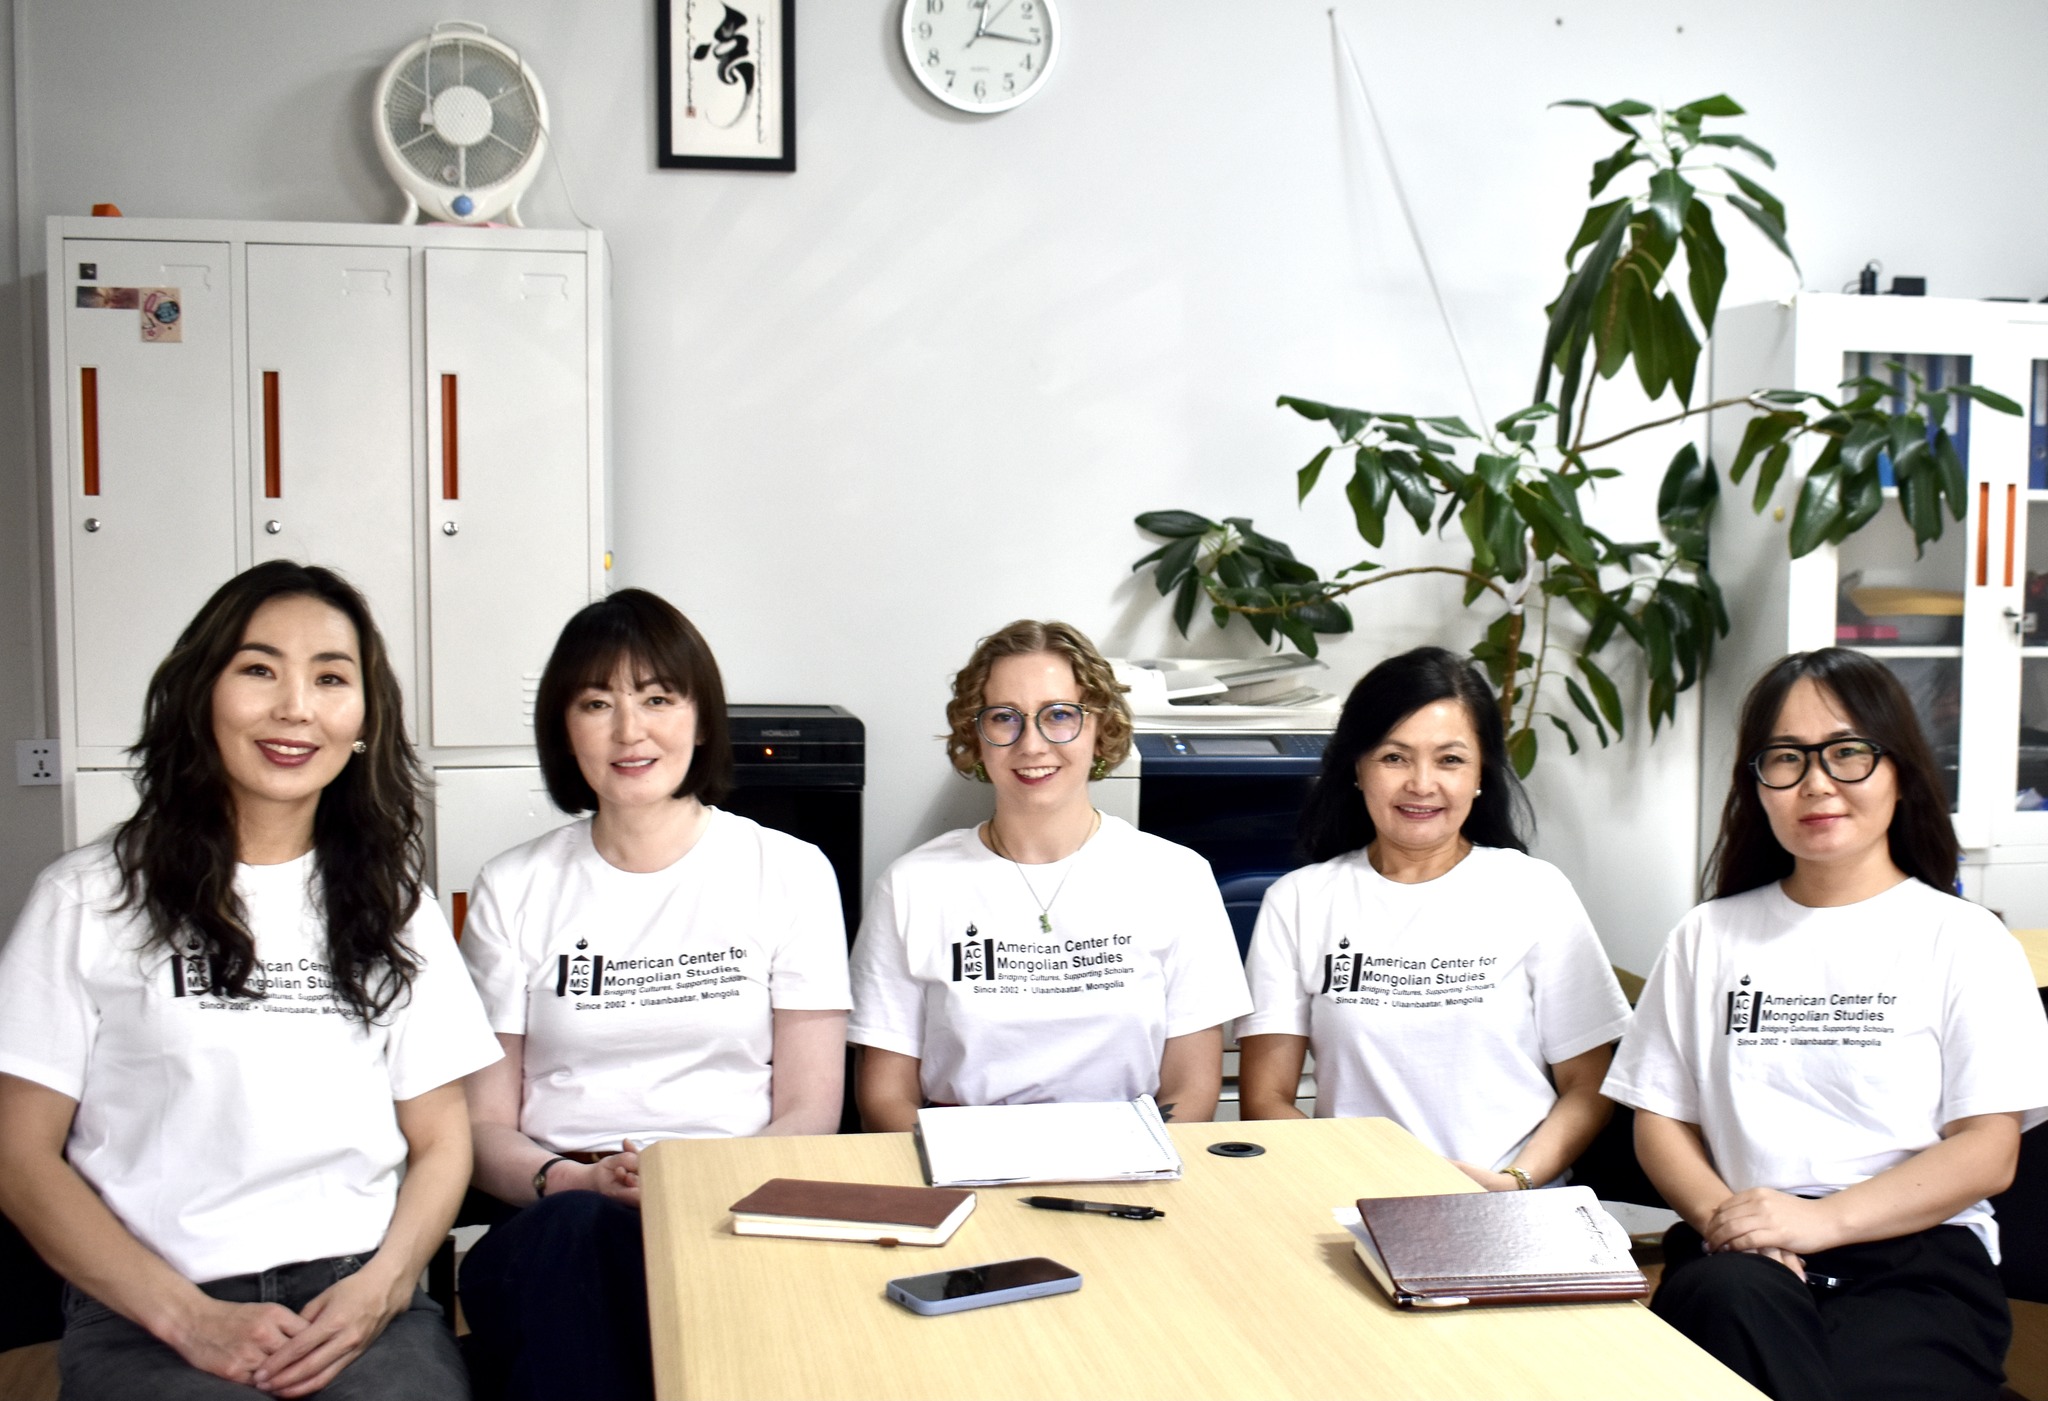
(1555, 1245)
(860, 1211)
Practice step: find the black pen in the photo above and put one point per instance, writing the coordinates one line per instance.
(1128, 1213)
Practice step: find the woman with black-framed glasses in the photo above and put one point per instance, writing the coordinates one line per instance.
(1050, 953)
(1833, 1060)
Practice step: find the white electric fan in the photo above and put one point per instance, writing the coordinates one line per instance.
(460, 123)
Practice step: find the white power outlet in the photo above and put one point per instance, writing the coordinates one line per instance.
(35, 763)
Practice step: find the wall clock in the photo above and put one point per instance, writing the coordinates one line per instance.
(981, 55)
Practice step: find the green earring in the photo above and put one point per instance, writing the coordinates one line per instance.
(1098, 770)
(979, 773)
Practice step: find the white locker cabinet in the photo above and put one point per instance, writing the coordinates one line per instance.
(330, 421)
(507, 433)
(479, 813)
(148, 486)
(304, 413)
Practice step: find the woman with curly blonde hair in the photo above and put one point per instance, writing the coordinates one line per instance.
(1050, 953)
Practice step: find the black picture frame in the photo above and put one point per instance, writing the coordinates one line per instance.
(696, 134)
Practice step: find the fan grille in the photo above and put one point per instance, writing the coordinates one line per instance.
(408, 115)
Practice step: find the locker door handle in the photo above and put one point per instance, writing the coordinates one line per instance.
(2012, 493)
(273, 463)
(1983, 534)
(89, 427)
(450, 441)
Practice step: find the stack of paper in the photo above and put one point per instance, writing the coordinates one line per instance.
(1121, 1141)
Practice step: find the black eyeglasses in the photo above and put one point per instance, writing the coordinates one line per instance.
(1003, 725)
(1843, 760)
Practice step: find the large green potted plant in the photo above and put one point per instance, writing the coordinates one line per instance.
(1518, 490)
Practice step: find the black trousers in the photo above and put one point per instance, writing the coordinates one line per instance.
(556, 1299)
(1915, 1318)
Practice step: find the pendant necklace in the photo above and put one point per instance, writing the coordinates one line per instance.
(1044, 906)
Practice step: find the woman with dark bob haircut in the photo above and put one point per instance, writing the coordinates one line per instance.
(1832, 1063)
(1113, 942)
(232, 1038)
(660, 969)
(1443, 977)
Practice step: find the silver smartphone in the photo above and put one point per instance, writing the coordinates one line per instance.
(978, 1286)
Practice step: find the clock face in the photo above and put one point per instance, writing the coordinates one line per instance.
(980, 55)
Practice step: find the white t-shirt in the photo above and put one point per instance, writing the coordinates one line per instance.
(647, 999)
(229, 1135)
(1815, 1048)
(1440, 1005)
(954, 967)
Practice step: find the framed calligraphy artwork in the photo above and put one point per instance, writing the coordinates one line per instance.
(727, 84)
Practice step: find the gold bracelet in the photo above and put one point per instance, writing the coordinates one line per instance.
(1522, 1181)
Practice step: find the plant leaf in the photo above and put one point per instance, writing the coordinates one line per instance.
(1349, 423)
(1719, 105)
(1729, 141)
(1569, 737)
(1605, 692)
(1767, 475)
(1613, 113)
(1954, 484)
(1989, 398)
(1706, 262)
(1184, 604)
(1765, 200)
(1771, 228)
(1670, 196)
(1454, 427)
(1413, 487)
(1522, 751)
(1305, 479)
(1174, 524)
(1606, 169)
(1569, 328)
(1175, 563)
(1762, 432)
(1496, 470)
(1819, 507)
(1585, 707)
(1367, 492)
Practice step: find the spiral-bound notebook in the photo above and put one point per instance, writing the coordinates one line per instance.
(987, 1145)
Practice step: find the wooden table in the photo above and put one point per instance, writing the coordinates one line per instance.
(1246, 1288)
(2035, 942)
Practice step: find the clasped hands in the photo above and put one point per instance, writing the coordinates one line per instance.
(1782, 1227)
(288, 1354)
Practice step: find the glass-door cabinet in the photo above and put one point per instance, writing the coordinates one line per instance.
(1964, 623)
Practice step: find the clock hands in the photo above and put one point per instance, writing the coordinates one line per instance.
(984, 19)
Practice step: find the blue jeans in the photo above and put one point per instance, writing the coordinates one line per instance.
(106, 1356)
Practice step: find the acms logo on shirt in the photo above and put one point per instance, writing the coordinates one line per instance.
(191, 974)
(1342, 970)
(580, 976)
(974, 959)
(1745, 1009)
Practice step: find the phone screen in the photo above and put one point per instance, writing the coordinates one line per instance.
(984, 1279)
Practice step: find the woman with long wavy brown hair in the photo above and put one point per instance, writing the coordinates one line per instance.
(231, 1039)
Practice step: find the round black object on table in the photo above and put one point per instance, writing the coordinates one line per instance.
(1236, 1149)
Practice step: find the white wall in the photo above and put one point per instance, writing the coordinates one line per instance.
(869, 411)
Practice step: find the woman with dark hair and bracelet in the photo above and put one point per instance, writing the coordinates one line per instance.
(1112, 945)
(231, 1040)
(1832, 1063)
(1444, 978)
(660, 969)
